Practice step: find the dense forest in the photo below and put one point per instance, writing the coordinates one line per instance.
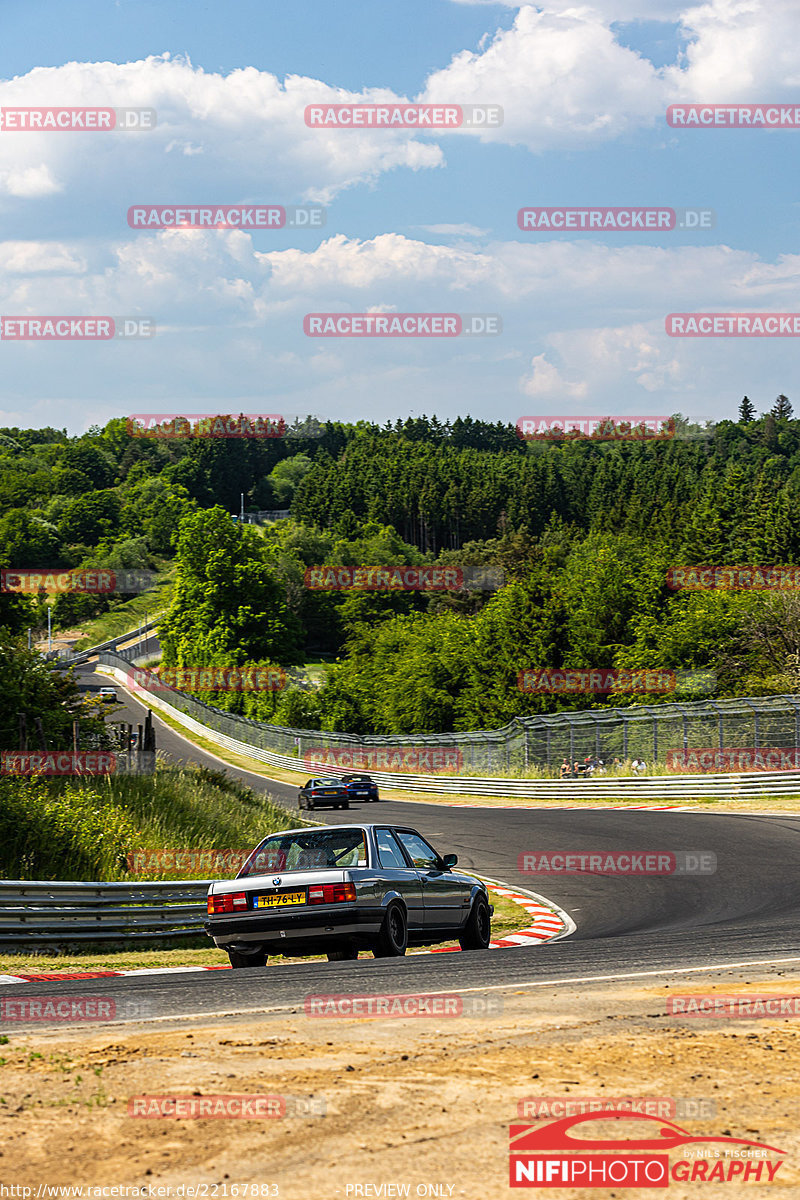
(584, 531)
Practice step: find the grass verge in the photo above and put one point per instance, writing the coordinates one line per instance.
(67, 829)
(128, 614)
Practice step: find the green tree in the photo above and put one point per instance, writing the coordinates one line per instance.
(89, 518)
(782, 408)
(747, 411)
(286, 476)
(229, 607)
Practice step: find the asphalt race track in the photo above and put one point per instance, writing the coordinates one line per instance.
(745, 913)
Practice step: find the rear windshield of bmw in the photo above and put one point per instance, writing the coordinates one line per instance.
(318, 849)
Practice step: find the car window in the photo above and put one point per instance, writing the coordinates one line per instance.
(308, 783)
(389, 853)
(421, 854)
(306, 850)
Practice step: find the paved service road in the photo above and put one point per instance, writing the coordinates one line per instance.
(746, 912)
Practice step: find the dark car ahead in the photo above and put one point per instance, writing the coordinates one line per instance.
(361, 787)
(326, 792)
(339, 889)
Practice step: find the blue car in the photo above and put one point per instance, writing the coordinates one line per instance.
(361, 787)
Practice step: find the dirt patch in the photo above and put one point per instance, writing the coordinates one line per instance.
(421, 1103)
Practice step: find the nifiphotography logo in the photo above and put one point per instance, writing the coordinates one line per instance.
(577, 1151)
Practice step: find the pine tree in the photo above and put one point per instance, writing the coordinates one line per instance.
(747, 411)
(782, 408)
(770, 433)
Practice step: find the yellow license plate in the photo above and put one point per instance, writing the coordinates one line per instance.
(278, 901)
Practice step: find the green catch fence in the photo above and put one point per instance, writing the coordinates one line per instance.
(646, 731)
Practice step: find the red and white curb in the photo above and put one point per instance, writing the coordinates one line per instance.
(568, 807)
(549, 922)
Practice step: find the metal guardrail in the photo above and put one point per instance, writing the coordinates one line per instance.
(35, 912)
(71, 659)
(266, 516)
(648, 731)
(646, 789)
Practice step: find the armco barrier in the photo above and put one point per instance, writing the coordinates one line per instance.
(652, 789)
(646, 731)
(70, 659)
(96, 912)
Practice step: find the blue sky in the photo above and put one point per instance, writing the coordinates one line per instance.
(415, 222)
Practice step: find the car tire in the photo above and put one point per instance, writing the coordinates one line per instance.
(346, 804)
(343, 953)
(310, 805)
(240, 959)
(393, 937)
(477, 933)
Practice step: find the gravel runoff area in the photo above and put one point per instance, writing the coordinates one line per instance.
(419, 1103)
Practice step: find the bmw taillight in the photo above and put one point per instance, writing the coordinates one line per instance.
(229, 902)
(331, 893)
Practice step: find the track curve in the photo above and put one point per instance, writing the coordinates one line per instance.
(745, 913)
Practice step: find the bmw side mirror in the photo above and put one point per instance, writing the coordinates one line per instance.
(449, 860)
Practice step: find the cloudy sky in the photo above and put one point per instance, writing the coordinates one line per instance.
(415, 221)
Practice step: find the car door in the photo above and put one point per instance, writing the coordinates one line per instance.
(398, 875)
(446, 901)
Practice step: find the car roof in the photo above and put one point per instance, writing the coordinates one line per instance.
(368, 825)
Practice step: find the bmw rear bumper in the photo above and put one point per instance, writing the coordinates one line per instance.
(276, 931)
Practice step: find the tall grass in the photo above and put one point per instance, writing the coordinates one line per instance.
(64, 829)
